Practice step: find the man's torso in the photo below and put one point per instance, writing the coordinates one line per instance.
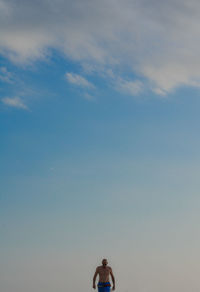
(104, 273)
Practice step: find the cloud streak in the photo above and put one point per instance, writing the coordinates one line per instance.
(154, 39)
(5, 75)
(78, 80)
(15, 102)
(130, 87)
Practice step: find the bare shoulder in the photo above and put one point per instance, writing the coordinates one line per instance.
(110, 269)
(98, 268)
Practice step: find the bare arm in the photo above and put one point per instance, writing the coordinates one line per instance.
(113, 279)
(94, 278)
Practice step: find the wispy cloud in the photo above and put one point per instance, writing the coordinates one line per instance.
(129, 87)
(89, 97)
(156, 40)
(15, 102)
(5, 75)
(78, 80)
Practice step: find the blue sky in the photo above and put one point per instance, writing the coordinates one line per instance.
(99, 131)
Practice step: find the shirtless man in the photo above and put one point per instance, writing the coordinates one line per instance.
(104, 272)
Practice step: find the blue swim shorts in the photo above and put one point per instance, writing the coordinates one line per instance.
(104, 287)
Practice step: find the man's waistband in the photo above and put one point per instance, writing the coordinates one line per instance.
(104, 284)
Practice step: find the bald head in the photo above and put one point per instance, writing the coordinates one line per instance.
(104, 262)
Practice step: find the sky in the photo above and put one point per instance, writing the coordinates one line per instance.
(99, 144)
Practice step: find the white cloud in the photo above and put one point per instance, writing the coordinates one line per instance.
(89, 97)
(130, 87)
(158, 40)
(5, 75)
(14, 102)
(78, 80)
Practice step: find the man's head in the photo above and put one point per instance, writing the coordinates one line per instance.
(104, 262)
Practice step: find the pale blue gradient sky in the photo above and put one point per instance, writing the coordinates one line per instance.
(99, 146)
